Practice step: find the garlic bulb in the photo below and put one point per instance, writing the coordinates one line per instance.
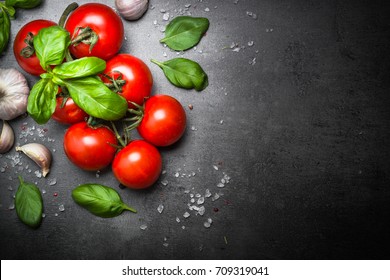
(7, 138)
(39, 154)
(131, 9)
(14, 92)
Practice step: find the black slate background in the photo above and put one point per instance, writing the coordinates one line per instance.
(304, 139)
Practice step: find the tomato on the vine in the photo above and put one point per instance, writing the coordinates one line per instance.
(68, 112)
(103, 27)
(164, 120)
(90, 148)
(138, 165)
(130, 77)
(24, 47)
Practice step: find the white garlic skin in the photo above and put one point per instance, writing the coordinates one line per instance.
(7, 138)
(14, 93)
(39, 154)
(131, 9)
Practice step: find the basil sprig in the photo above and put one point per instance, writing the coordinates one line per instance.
(184, 32)
(100, 200)
(79, 76)
(24, 4)
(184, 73)
(51, 45)
(29, 204)
(5, 28)
(7, 11)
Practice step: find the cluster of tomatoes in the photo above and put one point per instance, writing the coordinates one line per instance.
(159, 119)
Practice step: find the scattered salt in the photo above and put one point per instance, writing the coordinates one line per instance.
(143, 227)
(186, 215)
(160, 208)
(61, 208)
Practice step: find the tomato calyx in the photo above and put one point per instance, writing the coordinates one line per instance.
(116, 82)
(29, 50)
(137, 116)
(85, 35)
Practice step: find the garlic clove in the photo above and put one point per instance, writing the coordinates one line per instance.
(7, 138)
(39, 154)
(131, 9)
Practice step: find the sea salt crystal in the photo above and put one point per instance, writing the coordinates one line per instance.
(215, 167)
(251, 43)
(164, 182)
(160, 208)
(143, 227)
(253, 61)
(207, 193)
(193, 128)
(163, 11)
(220, 185)
(61, 208)
(38, 174)
(52, 181)
(178, 219)
(200, 200)
(165, 244)
(215, 197)
(207, 10)
(166, 16)
(201, 210)
(186, 215)
(155, 22)
(187, 5)
(176, 174)
(12, 206)
(192, 200)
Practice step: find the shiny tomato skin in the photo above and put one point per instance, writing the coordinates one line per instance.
(164, 120)
(90, 148)
(70, 113)
(138, 165)
(105, 22)
(137, 76)
(29, 64)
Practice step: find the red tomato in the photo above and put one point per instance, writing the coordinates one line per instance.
(90, 148)
(69, 113)
(164, 120)
(138, 165)
(136, 75)
(104, 22)
(29, 64)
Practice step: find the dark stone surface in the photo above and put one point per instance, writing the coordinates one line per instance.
(304, 139)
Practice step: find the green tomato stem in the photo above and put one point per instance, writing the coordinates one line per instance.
(66, 13)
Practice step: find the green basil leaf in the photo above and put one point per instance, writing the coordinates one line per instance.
(96, 99)
(184, 32)
(42, 100)
(184, 73)
(24, 4)
(5, 28)
(79, 68)
(50, 45)
(29, 204)
(100, 200)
